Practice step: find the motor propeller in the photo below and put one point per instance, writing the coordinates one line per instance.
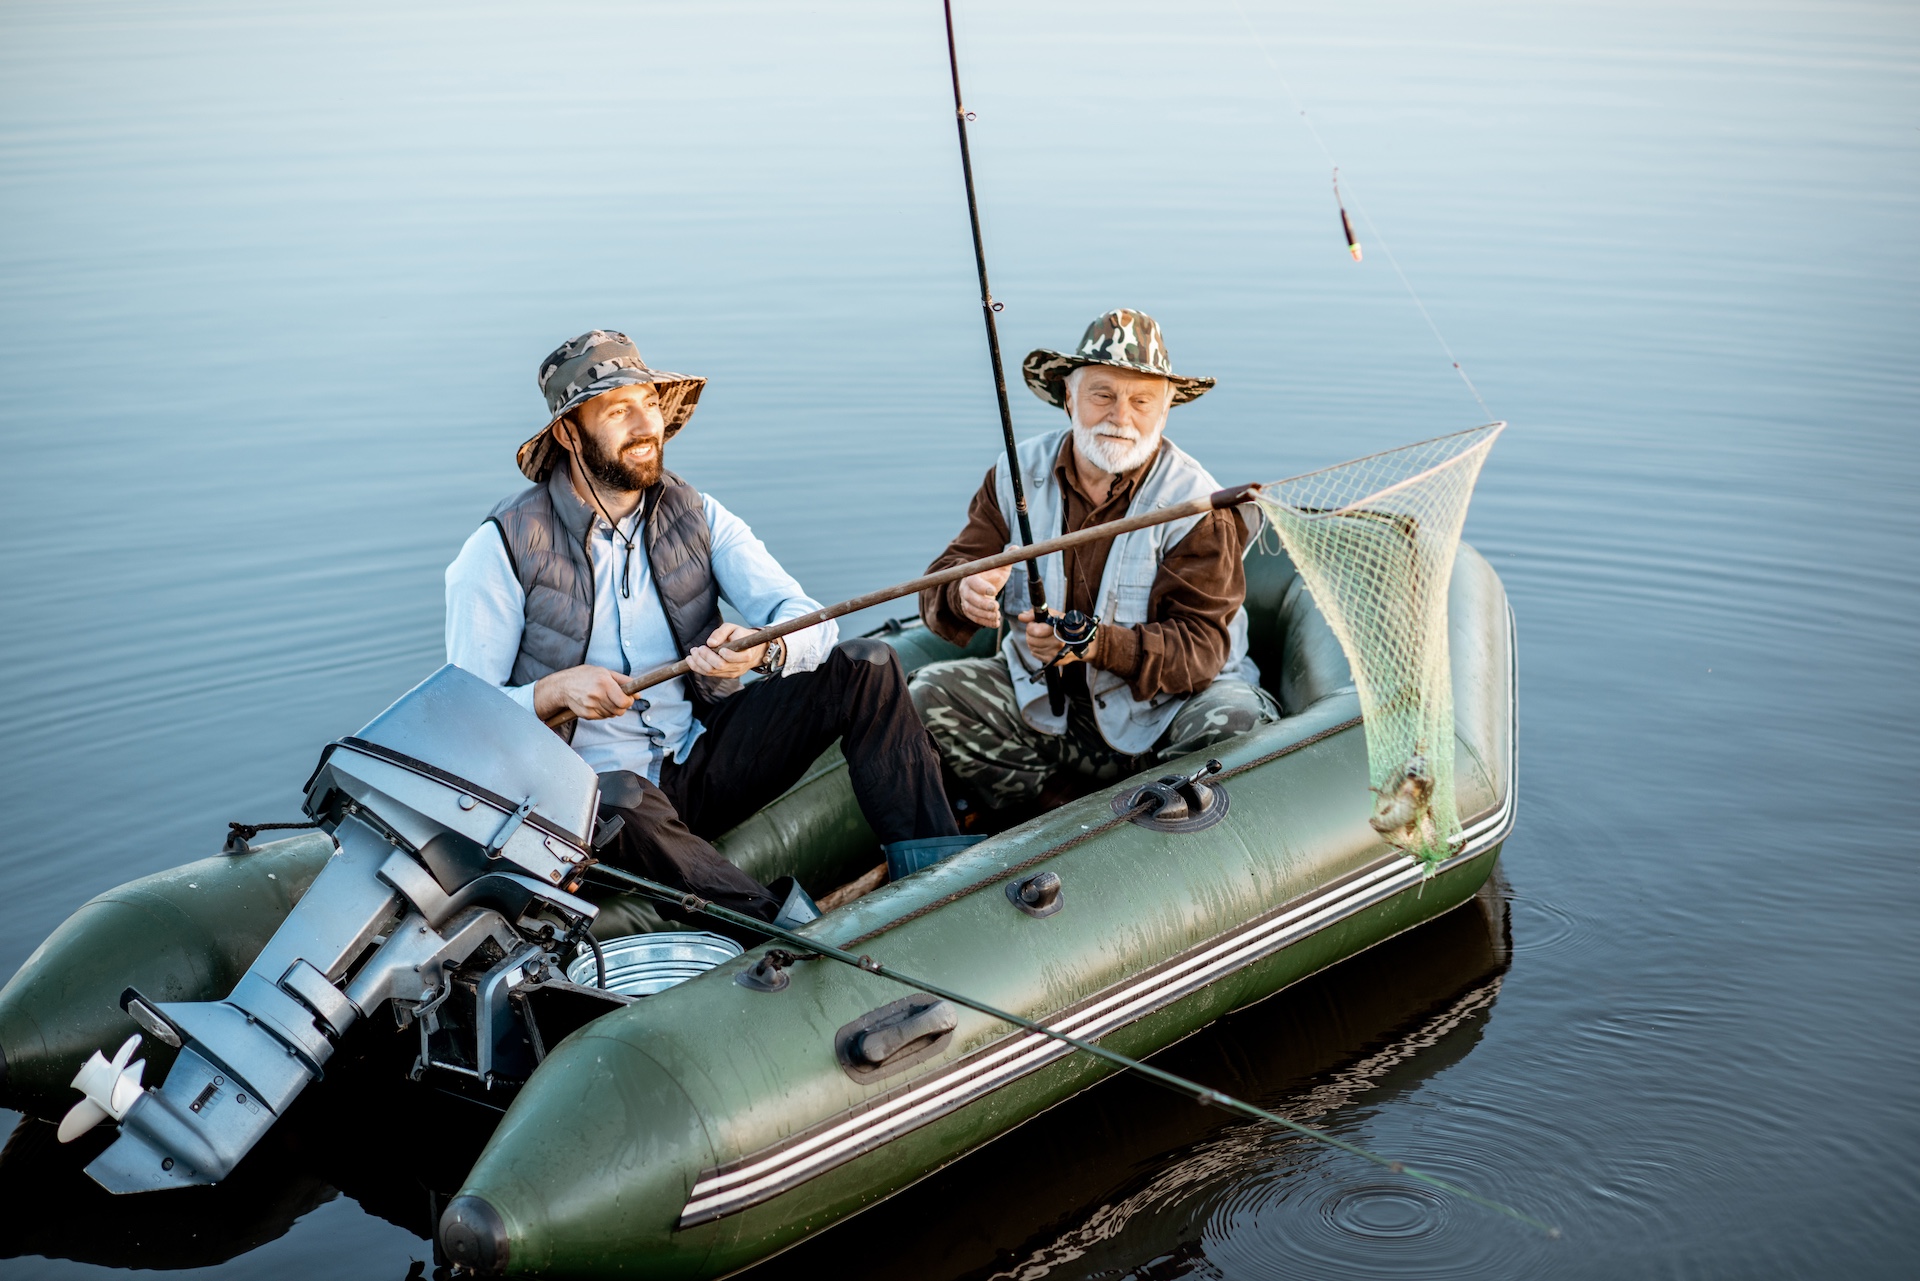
(110, 1088)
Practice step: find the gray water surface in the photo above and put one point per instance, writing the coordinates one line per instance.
(276, 280)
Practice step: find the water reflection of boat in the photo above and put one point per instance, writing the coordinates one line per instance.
(1101, 1179)
(54, 1210)
(335, 1141)
(707, 1126)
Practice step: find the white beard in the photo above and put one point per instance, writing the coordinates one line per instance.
(1114, 449)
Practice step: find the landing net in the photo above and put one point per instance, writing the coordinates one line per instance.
(1374, 539)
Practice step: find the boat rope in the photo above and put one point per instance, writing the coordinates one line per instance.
(1373, 231)
(803, 946)
(1087, 834)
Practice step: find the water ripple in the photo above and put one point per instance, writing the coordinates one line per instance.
(1541, 925)
(1354, 1224)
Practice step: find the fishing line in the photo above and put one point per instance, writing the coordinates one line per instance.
(1373, 232)
(1036, 589)
(1202, 1094)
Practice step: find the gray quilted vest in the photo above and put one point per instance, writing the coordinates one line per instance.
(545, 529)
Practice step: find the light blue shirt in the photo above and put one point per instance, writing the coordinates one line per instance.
(486, 611)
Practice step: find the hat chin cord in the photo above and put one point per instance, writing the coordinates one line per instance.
(574, 453)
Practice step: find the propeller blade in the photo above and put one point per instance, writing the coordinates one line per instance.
(125, 1052)
(127, 1088)
(83, 1116)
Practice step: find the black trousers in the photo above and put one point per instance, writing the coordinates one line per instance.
(757, 744)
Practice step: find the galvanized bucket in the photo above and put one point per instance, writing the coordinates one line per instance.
(642, 964)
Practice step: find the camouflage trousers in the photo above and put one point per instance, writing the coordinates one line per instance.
(968, 705)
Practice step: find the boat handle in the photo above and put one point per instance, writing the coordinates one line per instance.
(877, 1045)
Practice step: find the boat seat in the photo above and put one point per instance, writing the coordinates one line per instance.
(1299, 657)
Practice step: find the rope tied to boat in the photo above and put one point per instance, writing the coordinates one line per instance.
(1205, 1095)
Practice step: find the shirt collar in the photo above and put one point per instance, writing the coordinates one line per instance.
(580, 518)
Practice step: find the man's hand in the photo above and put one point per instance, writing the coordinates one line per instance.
(979, 596)
(591, 693)
(1044, 644)
(711, 660)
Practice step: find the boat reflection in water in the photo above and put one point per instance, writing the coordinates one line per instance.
(1107, 1180)
(396, 1147)
(1125, 1179)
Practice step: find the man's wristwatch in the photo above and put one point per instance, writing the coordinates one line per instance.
(774, 659)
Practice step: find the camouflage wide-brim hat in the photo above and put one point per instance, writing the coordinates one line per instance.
(1123, 339)
(584, 367)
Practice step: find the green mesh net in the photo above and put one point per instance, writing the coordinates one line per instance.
(1374, 539)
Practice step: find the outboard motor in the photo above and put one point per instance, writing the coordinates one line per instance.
(460, 821)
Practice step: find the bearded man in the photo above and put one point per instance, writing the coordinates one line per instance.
(611, 565)
(1166, 671)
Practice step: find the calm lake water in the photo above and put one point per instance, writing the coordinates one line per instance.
(276, 280)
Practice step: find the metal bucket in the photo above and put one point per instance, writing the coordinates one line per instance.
(642, 964)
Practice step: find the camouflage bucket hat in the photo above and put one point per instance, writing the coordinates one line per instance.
(584, 367)
(1123, 339)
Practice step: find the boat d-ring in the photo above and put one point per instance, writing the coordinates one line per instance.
(769, 973)
(1177, 802)
(1037, 895)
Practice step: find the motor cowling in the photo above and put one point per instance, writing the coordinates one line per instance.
(460, 824)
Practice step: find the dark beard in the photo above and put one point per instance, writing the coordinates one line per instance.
(625, 478)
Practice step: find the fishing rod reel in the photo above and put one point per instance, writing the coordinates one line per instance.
(1076, 632)
(461, 828)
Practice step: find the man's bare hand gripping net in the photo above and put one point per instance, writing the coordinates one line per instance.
(1374, 539)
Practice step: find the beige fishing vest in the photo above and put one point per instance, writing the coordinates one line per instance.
(1128, 724)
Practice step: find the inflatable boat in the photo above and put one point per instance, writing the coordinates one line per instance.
(719, 1120)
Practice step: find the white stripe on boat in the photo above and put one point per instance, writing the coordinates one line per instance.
(763, 1175)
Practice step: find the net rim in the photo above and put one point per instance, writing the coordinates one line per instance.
(1266, 491)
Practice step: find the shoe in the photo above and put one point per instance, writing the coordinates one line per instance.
(796, 905)
(904, 858)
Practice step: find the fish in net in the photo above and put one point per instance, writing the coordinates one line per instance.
(1374, 540)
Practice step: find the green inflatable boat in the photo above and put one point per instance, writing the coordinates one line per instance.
(715, 1122)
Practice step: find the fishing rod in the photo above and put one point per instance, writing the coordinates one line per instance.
(1205, 1095)
(1036, 591)
(1219, 499)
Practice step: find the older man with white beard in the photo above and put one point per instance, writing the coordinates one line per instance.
(1166, 671)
